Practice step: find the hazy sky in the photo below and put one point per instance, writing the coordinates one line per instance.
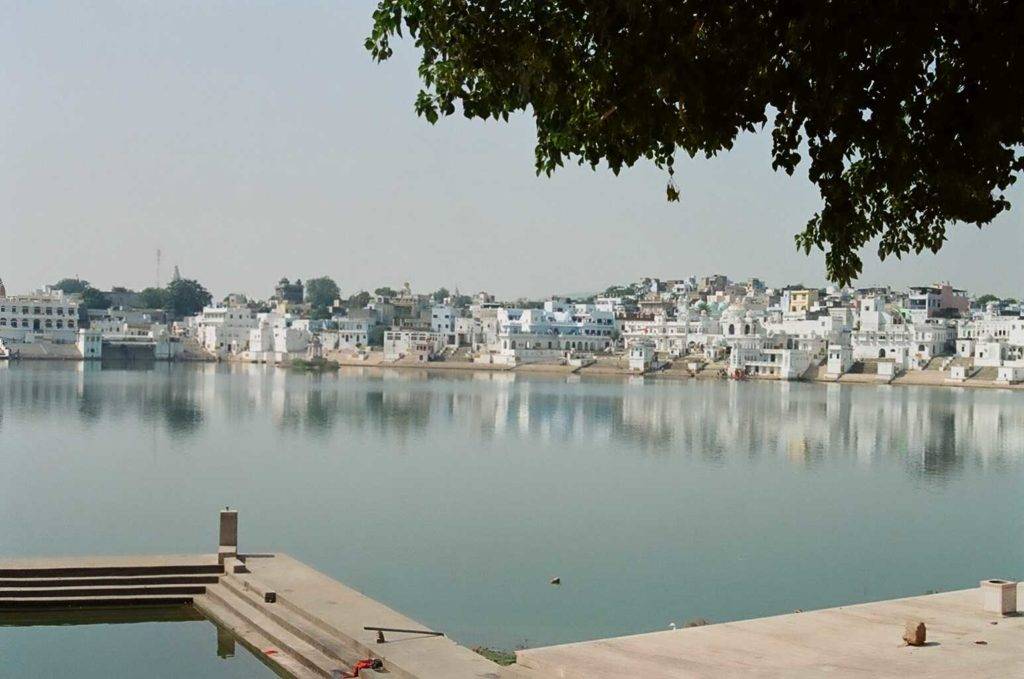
(255, 140)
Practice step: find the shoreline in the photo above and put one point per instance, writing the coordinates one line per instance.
(907, 379)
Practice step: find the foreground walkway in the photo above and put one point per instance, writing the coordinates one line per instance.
(851, 641)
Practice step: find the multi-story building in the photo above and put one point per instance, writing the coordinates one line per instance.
(886, 335)
(223, 330)
(442, 318)
(45, 315)
(799, 300)
(418, 345)
(773, 357)
(526, 335)
(937, 301)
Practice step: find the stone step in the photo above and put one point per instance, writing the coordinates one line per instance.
(251, 584)
(328, 643)
(279, 661)
(247, 616)
(97, 591)
(124, 601)
(88, 567)
(111, 580)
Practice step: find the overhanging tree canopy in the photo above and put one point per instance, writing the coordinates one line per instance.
(911, 113)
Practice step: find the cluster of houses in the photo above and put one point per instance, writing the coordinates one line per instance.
(743, 329)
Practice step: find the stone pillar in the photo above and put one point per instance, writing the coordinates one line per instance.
(228, 528)
(999, 596)
(228, 544)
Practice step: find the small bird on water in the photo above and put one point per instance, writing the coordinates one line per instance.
(556, 581)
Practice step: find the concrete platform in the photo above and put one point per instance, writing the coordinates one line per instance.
(850, 641)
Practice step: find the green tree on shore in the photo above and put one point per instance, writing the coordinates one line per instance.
(153, 298)
(186, 297)
(71, 286)
(321, 292)
(94, 299)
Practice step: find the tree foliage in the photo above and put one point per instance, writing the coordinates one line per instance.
(152, 298)
(71, 286)
(185, 297)
(321, 292)
(94, 299)
(911, 114)
(385, 292)
(359, 300)
(440, 295)
(985, 299)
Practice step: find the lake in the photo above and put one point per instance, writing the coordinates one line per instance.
(456, 497)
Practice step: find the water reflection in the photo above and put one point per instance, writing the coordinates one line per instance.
(934, 432)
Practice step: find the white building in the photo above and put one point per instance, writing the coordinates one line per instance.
(887, 336)
(274, 340)
(225, 330)
(442, 319)
(90, 344)
(840, 359)
(41, 315)
(419, 345)
(769, 358)
(560, 328)
(664, 335)
(641, 356)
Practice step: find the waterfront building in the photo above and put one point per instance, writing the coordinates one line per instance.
(840, 360)
(641, 356)
(46, 315)
(223, 330)
(772, 357)
(886, 335)
(273, 339)
(561, 327)
(664, 335)
(417, 345)
(356, 331)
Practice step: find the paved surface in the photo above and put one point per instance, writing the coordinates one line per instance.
(851, 641)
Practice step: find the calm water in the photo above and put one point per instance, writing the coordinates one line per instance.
(457, 498)
(169, 649)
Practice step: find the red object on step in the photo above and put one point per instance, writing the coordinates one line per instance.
(270, 651)
(368, 664)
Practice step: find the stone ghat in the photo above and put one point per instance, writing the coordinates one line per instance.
(296, 620)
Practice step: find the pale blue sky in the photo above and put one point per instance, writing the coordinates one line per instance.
(251, 140)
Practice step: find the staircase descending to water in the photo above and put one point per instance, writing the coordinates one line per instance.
(90, 583)
(297, 621)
